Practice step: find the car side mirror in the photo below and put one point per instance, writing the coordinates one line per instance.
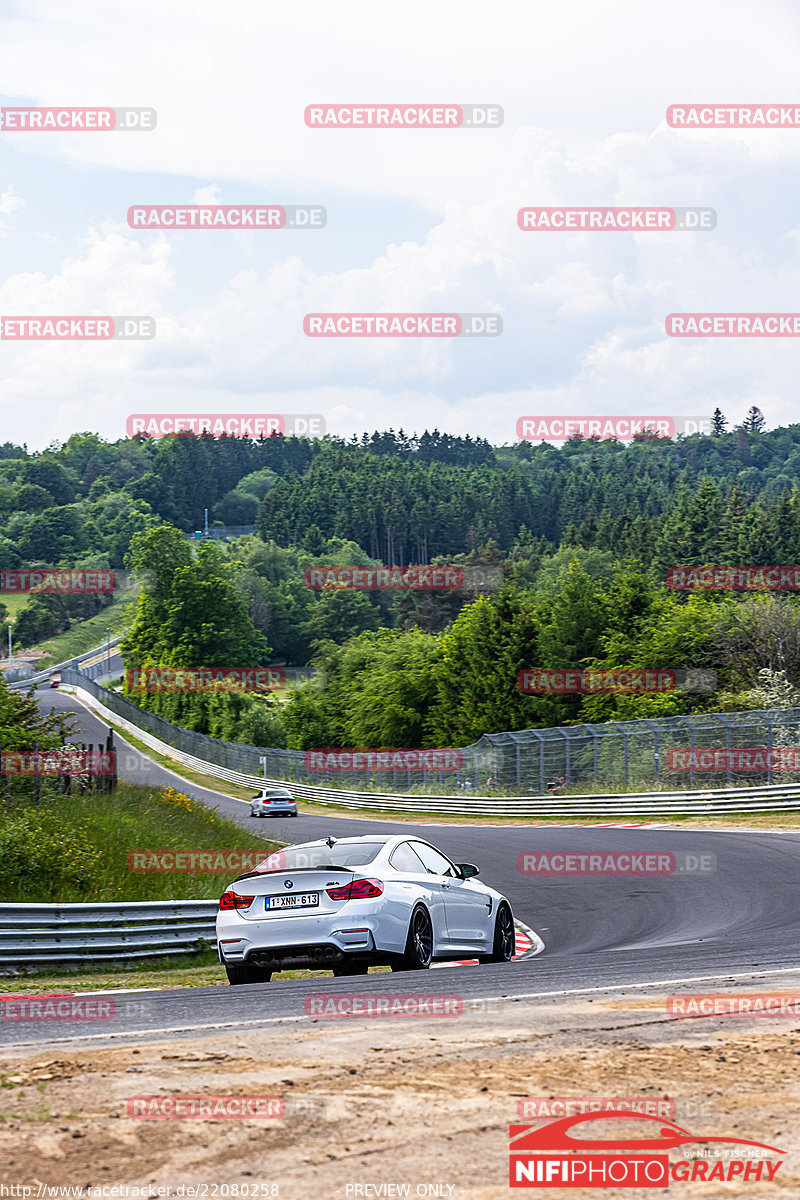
(468, 870)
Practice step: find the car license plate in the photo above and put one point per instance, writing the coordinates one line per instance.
(299, 900)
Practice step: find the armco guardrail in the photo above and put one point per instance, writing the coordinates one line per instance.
(32, 934)
(773, 798)
(70, 663)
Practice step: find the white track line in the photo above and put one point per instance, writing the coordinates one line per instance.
(474, 1001)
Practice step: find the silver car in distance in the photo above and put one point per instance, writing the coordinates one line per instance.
(273, 802)
(349, 903)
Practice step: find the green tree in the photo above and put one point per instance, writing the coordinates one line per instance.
(482, 653)
(22, 724)
(338, 615)
(192, 614)
(755, 421)
(35, 623)
(32, 498)
(394, 696)
(718, 423)
(237, 508)
(54, 536)
(573, 621)
(56, 479)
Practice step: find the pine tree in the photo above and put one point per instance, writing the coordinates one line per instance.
(706, 522)
(718, 423)
(756, 545)
(783, 529)
(730, 528)
(755, 421)
(675, 544)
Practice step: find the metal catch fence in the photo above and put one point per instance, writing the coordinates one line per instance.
(703, 750)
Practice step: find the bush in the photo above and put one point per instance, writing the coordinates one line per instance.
(35, 623)
(75, 847)
(37, 851)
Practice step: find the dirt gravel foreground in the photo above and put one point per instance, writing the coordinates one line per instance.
(423, 1104)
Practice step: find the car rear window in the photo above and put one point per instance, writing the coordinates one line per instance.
(354, 855)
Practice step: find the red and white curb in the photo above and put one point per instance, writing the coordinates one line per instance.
(528, 944)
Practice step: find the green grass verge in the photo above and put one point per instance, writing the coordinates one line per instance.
(92, 632)
(207, 781)
(14, 602)
(185, 970)
(75, 848)
(197, 970)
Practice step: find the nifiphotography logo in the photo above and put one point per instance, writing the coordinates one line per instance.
(556, 1156)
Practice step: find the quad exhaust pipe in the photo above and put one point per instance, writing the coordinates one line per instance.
(296, 955)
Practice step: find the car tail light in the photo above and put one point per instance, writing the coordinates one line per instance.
(358, 889)
(230, 900)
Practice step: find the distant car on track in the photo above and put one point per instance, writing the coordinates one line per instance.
(55, 681)
(273, 802)
(346, 904)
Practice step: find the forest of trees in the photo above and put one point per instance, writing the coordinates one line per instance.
(579, 537)
(706, 498)
(441, 668)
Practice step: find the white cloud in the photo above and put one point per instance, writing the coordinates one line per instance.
(584, 88)
(10, 202)
(207, 195)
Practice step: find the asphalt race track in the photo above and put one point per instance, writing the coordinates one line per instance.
(740, 918)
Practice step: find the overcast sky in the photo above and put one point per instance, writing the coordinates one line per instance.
(417, 220)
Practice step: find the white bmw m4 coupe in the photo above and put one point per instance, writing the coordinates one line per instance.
(345, 904)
